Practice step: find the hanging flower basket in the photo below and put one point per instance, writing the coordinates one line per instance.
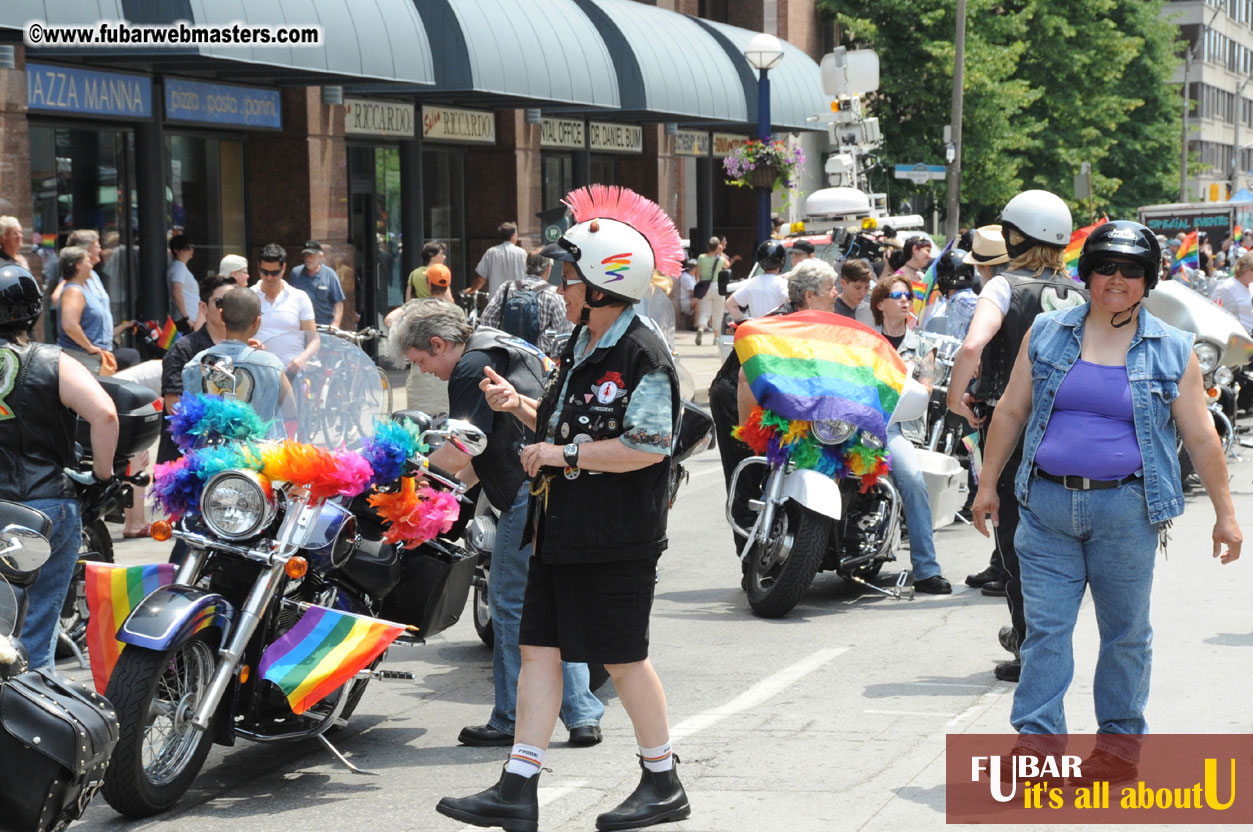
(763, 176)
(769, 165)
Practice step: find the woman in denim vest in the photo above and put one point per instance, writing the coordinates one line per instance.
(1101, 390)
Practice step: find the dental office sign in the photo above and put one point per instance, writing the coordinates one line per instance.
(201, 103)
(60, 89)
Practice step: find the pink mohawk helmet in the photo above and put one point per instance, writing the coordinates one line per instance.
(618, 240)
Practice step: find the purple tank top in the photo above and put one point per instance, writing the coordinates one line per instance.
(1091, 432)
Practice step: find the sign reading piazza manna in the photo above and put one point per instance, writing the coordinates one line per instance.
(449, 124)
(615, 138)
(367, 117)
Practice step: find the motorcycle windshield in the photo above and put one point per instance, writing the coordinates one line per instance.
(337, 395)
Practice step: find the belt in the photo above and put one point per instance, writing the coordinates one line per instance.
(1077, 483)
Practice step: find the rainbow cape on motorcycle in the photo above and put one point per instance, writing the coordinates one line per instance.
(811, 366)
(324, 650)
(112, 592)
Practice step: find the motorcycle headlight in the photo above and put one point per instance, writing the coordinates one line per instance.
(833, 431)
(1206, 356)
(235, 505)
(871, 441)
(1223, 376)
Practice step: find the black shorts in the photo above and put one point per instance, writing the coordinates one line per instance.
(594, 612)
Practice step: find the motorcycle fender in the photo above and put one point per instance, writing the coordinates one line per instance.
(171, 615)
(815, 491)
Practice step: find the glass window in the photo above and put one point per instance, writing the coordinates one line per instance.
(443, 201)
(558, 178)
(387, 225)
(602, 170)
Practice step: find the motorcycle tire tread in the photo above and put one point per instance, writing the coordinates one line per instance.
(809, 546)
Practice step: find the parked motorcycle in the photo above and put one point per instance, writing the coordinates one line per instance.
(262, 555)
(55, 736)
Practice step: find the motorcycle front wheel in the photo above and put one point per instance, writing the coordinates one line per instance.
(780, 571)
(483, 611)
(159, 752)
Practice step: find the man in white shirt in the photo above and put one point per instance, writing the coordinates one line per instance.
(287, 324)
(1233, 294)
(765, 292)
(502, 262)
(184, 289)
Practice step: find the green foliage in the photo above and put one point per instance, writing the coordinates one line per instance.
(1048, 85)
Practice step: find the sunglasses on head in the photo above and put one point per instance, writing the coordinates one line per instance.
(898, 295)
(1108, 267)
(269, 273)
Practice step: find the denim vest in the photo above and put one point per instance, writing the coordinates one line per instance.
(1156, 360)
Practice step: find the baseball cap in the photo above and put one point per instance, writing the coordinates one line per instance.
(312, 247)
(438, 275)
(803, 245)
(231, 263)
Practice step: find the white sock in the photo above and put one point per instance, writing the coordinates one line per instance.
(660, 758)
(525, 760)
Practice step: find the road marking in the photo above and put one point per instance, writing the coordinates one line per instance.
(983, 702)
(947, 685)
(546, 796)
(761, 692)
(906, 713)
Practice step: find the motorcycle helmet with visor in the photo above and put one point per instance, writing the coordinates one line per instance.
(1122, 240)
(21, 300)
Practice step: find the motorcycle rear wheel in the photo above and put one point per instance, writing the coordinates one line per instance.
(483, 611)
(775, 587)
(159, 752)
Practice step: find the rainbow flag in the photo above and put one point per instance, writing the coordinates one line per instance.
(112, 592)
(169, 334)
(324, 650)
(1075, 247)
(1188, 255)
(924, 290)
(818, 365)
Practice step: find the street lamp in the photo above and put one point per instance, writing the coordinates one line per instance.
(763, 53)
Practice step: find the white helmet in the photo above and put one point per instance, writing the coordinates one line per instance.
(1040, 216)
(618, 240)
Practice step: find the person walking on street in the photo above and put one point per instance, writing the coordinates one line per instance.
(44, 393)
(708, 265)
(502, 262)
(433, 254)
(598, 511)
(1233, 293)
(184, 289)
(235, 267)
(1113, 379)
(538, 323)
(321, 284)
(288, 327)
(1036, 227)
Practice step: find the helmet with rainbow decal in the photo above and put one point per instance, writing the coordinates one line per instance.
(619, 238)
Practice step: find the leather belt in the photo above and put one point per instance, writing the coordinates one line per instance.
(1077, 483)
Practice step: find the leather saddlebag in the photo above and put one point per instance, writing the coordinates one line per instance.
(55, 740)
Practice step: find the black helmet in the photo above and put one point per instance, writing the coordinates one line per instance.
(953, 272)
(1123, 238)
(21, 301)
(770, 255)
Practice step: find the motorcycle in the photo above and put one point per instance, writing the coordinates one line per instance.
(262, 555)
(1222, 346)
(808, 522)
(55, 736)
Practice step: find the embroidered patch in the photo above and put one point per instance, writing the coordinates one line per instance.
(610, 388)
(9, 364)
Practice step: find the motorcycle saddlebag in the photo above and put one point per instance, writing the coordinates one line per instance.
(433, 588)
(55, 740)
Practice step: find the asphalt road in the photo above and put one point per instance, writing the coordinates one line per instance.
(833, 718)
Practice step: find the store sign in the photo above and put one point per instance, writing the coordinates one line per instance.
(724, 143)
(691, 143)
(615, 138)
(61, 89)
(388, 119)
(447, 124)
(562, 132)
(222, 104)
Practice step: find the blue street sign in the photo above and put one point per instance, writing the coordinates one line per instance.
(920, 172)
(62, 89)
(222, 104)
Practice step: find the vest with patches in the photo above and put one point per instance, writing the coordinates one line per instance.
(601, 517)
(36, 429)
(1030, 296)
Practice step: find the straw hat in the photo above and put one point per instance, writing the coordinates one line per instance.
(988, 248)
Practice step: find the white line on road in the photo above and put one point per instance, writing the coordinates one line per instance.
(757, 694)
(905, 713)
(982, 703)
(947, 685)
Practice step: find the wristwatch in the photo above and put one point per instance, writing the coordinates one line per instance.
(571, 453)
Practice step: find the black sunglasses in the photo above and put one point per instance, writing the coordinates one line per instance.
(1108, 267)
(269, 273)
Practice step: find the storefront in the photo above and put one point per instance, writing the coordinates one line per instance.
(449, 136)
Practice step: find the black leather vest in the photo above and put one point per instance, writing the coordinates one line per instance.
(601, 517)
(36, 429)
(1031, 296)
(499, 467)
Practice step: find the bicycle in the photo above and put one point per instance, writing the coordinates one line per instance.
(336, 420)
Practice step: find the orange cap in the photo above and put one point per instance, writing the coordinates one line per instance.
(438, 275)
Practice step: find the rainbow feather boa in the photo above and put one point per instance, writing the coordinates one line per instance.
(414, 514)
(778, 439)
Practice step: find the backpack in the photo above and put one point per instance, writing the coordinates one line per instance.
(519, 314)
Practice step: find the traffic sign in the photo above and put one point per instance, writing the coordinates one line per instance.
(920, 172)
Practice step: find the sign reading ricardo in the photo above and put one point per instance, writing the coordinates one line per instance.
(615, 138)
(389, 119)
(448, 124)
(88, 92)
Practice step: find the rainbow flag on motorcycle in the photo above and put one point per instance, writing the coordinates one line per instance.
(818, 365)
(112, 592)
(324, 650)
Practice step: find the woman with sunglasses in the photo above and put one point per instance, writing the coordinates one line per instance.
(1101, 390)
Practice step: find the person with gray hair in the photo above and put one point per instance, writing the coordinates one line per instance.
(439, 341)
(11, 242)
(811, 285)
(423, 391)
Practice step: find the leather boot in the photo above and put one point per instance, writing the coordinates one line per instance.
(659, 798)
(511, 804)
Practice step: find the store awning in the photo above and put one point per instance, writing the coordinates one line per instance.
(386, 39)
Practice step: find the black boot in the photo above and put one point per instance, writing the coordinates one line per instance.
(659, 798)
(511, 804)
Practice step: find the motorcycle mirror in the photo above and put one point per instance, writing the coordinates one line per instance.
(465, 437)
(23, 549)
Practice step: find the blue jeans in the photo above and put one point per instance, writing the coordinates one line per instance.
(1067, 541)
(908, 479)
(506, 590)
(47, 594)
